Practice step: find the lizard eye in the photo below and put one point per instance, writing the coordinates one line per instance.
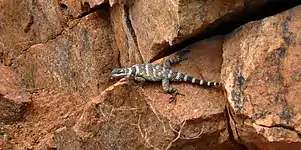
(120, 71)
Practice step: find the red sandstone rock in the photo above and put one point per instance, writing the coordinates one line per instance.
(161, 23)
(261, 70)
(207, 105)
(129, 53)
(78, 60)
(50, 49)
(126, 116)
(25, 23)
(121, 117)
(77, 8)
(13, 99)
(46, 144)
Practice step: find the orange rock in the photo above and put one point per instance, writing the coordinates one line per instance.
(125, 115)
(78, 60)
(261, 71)
(77, 9)
(129, 53)
(25, 23)
(158, 24)
(13, 99)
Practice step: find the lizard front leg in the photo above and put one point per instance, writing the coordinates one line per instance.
(140, 80)
(170, 90)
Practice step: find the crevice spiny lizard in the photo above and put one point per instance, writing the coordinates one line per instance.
(156, 73)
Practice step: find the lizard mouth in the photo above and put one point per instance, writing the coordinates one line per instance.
(118, 72)
(118, 75)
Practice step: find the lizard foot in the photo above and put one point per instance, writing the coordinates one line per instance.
(173, 98)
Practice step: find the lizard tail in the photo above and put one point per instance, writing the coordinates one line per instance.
(200, 82)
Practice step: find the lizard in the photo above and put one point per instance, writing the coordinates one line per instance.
(156, 73)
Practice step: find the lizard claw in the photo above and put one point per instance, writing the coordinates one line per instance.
(172, 99)
(174, 96)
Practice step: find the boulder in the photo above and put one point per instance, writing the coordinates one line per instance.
(261, 71)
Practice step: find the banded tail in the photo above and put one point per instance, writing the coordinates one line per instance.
(193, 80)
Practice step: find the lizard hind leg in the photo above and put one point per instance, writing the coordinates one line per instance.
(179, 56)
(170, 90)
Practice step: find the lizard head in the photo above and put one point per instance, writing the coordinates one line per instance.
(119, 72)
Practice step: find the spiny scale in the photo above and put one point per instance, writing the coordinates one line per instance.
(153, 72)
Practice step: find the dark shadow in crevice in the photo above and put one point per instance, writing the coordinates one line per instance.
(231, 133)
(88, 10)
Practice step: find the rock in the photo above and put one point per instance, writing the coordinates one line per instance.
(126, 41)
(203, 62)
(25, 23)
(13, 99)
(119, 117)
(46, 144)
(262, 78)
(205, 106)
(129, 117)
(170, 22)
(78, 60)
(77, 9)
(4, 144)
(48, 112)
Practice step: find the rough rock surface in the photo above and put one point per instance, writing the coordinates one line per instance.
(114, 120)
(80, 59)
(59, 54)
(203, 108)
(168, 22)
(48, 112)
(25, 23)
(77, 9)
(124, 36)
(13, 100)
(121, 117)
(261, 71)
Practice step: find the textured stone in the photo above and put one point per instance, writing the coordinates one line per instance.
(78, 8)
(166, 22)
(126, 43)
(13, 99)
(24, 23)
(119, 117)
(123, 117)
(261, 70)
(46, 144)
(205, 107)
(78, 60)
(48, 112)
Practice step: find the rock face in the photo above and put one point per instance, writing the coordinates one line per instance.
(77, 60)
(77, 9)
(169, 22)
(13, 100)
(262, 77)
(56, 92)
(25, 23)
(126, 41)
(115, 120)
(125, 110)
